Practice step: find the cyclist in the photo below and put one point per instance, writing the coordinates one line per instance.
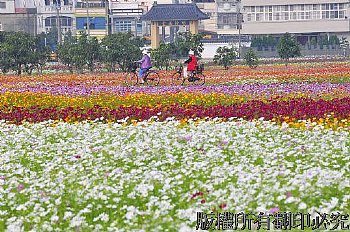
(146, 65)
(191, 66)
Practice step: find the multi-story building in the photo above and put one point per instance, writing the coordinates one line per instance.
(125, 17)
(50, 10)
(306, 18)
(16, 16)
(92, 17)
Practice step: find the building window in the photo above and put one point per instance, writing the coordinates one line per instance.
(2, 5)
(123, 25)
(296, 12)
(52, 21)
(249, 17)
(98, 23)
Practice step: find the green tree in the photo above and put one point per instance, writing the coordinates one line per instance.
(121, 49)
(87, 52)
(163, 55)
(37, 57)
(225, 56)
(288, 47)
(66, 51)
(16, 50)
(186, 42)
(251, 59)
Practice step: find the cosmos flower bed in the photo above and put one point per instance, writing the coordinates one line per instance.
(84, 153)
(156, 176)
(289, 102)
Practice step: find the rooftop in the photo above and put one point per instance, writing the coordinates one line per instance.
(171, 12)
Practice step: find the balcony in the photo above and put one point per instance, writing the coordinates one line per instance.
(90, 5)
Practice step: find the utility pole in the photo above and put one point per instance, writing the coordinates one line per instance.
(239, 24)
(107, 16)
(87, 18)
(58, 21)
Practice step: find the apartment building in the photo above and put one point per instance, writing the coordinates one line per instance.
(125, 16)
(309, 18)
(92, 17)
(15, 16)
(50, 10)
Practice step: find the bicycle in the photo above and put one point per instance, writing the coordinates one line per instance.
(179, 79)
(150, 78)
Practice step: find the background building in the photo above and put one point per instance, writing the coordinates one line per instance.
(92, 17)
(50, 10)
(308, 18)
(15, 16)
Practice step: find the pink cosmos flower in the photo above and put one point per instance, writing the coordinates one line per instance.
(274, 210)
(20, 187)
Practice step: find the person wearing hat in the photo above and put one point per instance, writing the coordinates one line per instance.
(191, 66)
(146, 64)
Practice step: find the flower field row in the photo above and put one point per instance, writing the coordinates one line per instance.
(280, 102)
(155, 176)
(336, 110)
(310, 72)
(247, 90)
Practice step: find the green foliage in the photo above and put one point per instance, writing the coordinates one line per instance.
(121, 49)
(87, 51)
(251, 59)
(163, 56)
(186, 42)
(225, 56)
(288, 47)
(20, 50)
(38, 56)
(66, 51)
(81, 52)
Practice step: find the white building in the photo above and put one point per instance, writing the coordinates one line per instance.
(48, 11)
(307, 17)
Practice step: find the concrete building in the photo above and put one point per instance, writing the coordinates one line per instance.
(307, 18)
(50, 10)
(125, 17)
(91, 16)
(17, 17)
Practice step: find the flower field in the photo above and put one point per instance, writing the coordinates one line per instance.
(84, 153)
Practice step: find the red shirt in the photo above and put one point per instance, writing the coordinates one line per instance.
(192, 64)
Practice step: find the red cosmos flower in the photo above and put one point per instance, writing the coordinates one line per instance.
(203, 201)
(223, 205)
(77, 156)
(197, 194)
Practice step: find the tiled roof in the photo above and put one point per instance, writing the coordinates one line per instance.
(170, 12)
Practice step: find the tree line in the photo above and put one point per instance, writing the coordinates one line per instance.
(22, 52)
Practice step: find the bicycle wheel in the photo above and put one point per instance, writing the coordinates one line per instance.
(177, 79)
(131, 79)
(201, 80)
(152, 78)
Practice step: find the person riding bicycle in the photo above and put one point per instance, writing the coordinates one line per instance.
(191, 66)
(146, 65)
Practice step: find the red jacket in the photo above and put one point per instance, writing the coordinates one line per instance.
(191, 63)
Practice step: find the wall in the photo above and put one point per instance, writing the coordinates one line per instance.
(19, 22)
